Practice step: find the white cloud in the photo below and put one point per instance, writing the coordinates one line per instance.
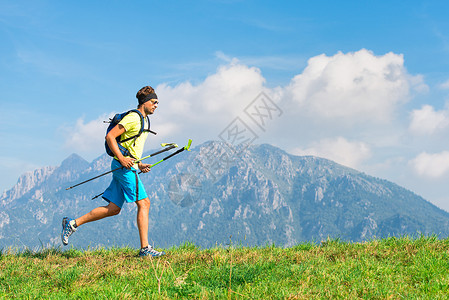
(431, 165)
(350, 87)
(445, 85)
(206, 108)
(185, 111)
(340, 150)
(346, 88)
(426, 120)
(226, 58)
(356, 86)
(229, 88)
(85, 138)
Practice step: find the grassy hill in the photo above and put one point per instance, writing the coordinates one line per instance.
(396, 268)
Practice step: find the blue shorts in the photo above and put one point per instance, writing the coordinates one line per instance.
(125, 186)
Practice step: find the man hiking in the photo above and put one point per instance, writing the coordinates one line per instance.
(125, 185)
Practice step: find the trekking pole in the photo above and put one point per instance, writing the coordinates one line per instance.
(170, 146)
(187, 147)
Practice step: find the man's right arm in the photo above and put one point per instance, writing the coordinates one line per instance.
(115, 132)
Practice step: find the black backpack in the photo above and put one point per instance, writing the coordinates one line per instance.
(114, 121)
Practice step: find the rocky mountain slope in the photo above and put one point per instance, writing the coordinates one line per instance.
(215, 195)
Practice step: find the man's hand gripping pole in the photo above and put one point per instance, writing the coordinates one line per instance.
(185, 148)
(168, 146)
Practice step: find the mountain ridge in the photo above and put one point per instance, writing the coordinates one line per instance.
(259, 194)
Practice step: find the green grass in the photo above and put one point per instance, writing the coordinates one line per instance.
(392, 268)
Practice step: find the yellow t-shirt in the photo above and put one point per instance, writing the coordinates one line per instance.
(131, 123)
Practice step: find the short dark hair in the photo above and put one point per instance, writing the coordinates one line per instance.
(143, 92)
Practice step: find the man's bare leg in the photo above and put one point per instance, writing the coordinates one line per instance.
(143, 210)
(99, 213)
(69, 226)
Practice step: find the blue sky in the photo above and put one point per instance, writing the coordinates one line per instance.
(365, 83)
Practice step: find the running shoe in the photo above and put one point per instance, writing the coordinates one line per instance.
(67, 230)
(149, 251)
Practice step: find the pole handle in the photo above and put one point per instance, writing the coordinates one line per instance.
(136, 161)
(187, 147)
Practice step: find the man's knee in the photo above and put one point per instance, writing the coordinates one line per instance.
(144, 203)
(113, 209)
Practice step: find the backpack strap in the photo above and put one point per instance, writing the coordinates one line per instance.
(115, 120)
(148, 130)
(142, 124)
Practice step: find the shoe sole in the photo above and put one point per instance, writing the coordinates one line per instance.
(149, 255)
(64, 222)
